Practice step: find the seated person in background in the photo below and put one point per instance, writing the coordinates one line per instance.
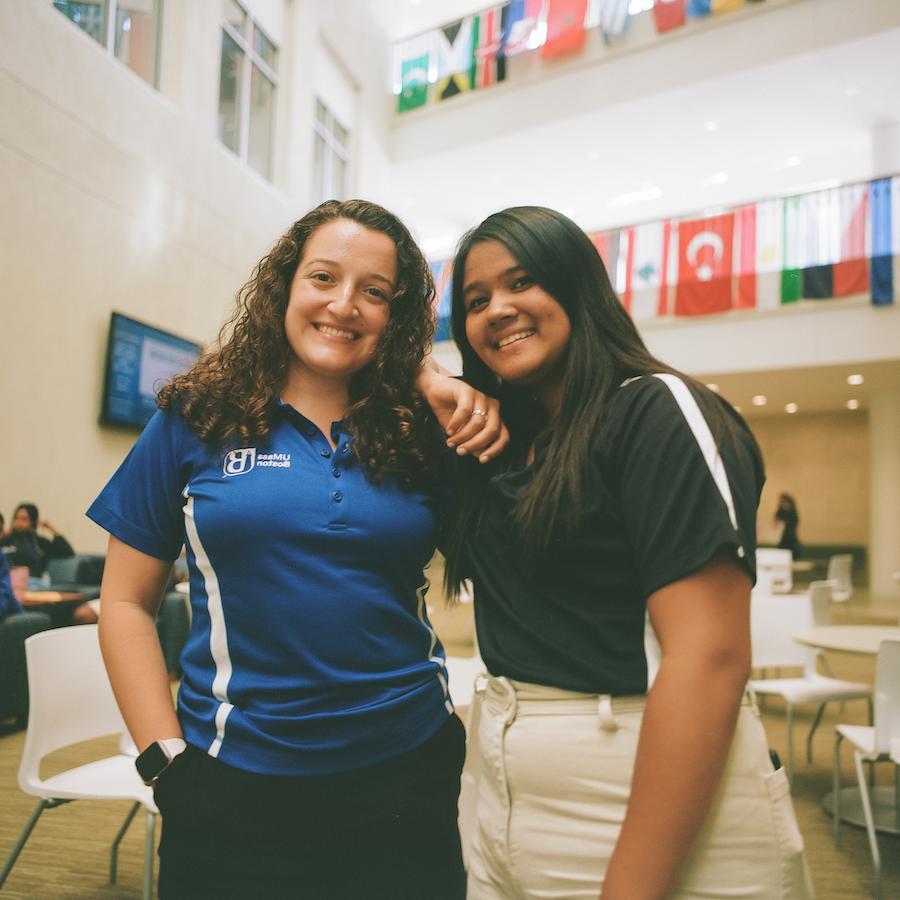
(8, 602)
(25, 547)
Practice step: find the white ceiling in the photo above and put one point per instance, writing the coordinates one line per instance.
(781, 128)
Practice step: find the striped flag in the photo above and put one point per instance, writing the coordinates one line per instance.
(521, 26)
(488, 66)
(791, 288)
(613, 18)
(769, 252)
(885, 220)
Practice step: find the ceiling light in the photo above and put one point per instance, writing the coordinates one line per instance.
(713, 387)
(759, 400)
(642, 196)
(711, 126)
(593, 156)
(718, 178)
(856, 378)
(791, 408)
(853, 404)
(792, 161)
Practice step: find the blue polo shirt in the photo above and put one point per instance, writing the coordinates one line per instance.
(310, 649)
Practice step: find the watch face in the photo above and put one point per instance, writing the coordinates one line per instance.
(151, 763)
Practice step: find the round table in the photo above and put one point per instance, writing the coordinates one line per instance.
(857, 639)
(848, 638)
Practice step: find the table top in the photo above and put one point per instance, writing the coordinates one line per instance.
(848, 638)
(48, 598)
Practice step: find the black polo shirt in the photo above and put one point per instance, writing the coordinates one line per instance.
(660, 501)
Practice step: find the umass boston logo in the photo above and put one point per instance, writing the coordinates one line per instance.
(240, 462)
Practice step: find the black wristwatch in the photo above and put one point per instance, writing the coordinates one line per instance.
(157, 758)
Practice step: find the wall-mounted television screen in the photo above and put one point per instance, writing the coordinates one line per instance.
(140, 359)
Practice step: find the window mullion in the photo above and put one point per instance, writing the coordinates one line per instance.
(110, 23)
(246, 70)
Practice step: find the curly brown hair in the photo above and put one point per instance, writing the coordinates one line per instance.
(230, 396)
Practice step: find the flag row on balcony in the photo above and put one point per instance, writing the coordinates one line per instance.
(473, 52)
(825, 245)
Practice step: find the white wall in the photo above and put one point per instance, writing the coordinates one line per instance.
(116, 196)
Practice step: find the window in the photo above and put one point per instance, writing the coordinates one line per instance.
(330, 156)
(247, 83)
(129, 29)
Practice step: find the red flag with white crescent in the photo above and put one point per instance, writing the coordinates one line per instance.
(705, 255)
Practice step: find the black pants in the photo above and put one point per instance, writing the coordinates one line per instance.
(386, 832)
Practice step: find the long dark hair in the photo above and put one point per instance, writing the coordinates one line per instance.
(604, 350)
(230, 395)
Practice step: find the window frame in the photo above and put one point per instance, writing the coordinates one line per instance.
(250, 57)
(333, 148)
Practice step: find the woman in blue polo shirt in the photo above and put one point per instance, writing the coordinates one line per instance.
(611, 543)
(315, 752)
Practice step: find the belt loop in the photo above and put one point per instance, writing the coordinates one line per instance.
(605, 713)
(750, 698)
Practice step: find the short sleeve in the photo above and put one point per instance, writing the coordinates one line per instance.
(143, 501)
(683, 495)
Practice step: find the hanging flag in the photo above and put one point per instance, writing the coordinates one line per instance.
(704, 265)
(669, 14)
(647, 270)
(607, 244)
(521, 27)
(817, 243)
(454, 51)
(769, 252)
(791, 288)
(565, 27)
(851, 269)
(413, 82)
(442, 273)
(489, 66)
(613, 18)
(698, 8)
(745, 257)
(722, 6)
(885, 213)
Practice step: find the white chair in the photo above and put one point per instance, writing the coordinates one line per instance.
(879, 742)
(840, 571)
(70, 700)
(774, 619)
(774, 569)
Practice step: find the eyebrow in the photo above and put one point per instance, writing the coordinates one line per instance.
(332, 262)
(472, 285)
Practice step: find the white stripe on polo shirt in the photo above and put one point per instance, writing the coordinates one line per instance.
(707, 444)
(218, 636)
(439, 660)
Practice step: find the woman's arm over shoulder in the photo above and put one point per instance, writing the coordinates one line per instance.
(702, 622)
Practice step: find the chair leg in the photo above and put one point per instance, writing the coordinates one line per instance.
(789, 766)
(812, 731)
(836, 791)
(114, 850)
(148, 855)
(870, 825)
(23, 837)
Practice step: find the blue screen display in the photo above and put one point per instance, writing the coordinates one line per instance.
(140, 360)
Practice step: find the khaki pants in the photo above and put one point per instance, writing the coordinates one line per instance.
(553, 772)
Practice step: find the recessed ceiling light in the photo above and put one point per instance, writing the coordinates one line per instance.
(853, 404)
(856, 378)
(791, 408)
(792, 161)
(711, 125)
(718, 178)
(642, 196)
(713, 387)
(759, 400)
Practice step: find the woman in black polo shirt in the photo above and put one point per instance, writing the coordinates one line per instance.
(621, 520)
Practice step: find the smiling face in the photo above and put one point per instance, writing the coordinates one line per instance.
(340, 300)
(517, 329)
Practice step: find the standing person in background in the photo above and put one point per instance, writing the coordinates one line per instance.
(24, 546)
(787, 516)
(315, 752)
(627, 498)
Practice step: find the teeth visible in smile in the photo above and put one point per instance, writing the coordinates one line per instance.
(512, 338)
(337, 332)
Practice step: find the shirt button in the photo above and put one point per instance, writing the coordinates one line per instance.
(325, 453)
(337, 496)
(336, 471)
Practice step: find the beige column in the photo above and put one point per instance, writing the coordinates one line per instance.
(884, 494)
